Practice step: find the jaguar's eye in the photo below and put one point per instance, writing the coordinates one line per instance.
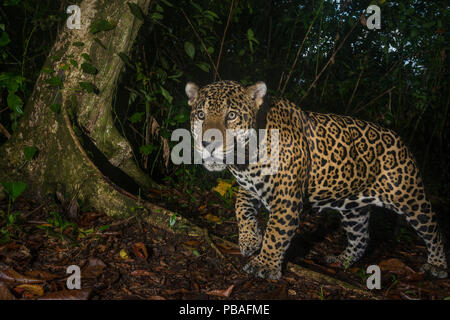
(201, 115)
(231, 115)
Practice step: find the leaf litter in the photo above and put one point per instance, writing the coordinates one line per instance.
(131, 259)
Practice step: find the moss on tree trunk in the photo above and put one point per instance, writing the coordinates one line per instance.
(85, 118)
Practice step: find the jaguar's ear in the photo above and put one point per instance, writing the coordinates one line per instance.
(257, 92)
(192, 92)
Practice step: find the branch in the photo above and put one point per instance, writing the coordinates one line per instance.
(5, 131)
(300, 49)
(201, 41)
(223, 39)
(331, 59)
(373, 100)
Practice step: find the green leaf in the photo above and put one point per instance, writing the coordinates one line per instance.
(137, 117)
(136, 11)
(4, 39)
(54, 81)
(101, 25)
(88, 86)
(156, 16)
(250, 34)
(99, 43)
(167, 3)
(86, 57)
(182, 117)
(78, 44)
(211, 15)
(11, 3)
(190, 49)
(104, 228)
(147, 149)
(29, 152)
(47, 70)
(14, 189)
(166, 94)
(125, 59)
(204, 66)
(89, 68)
(55, 107)
(176, 75)
(15, 103)
(73, 62)
(172, 220)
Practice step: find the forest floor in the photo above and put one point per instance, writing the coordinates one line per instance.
(133, 259)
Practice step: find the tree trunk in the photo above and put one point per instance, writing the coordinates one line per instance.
(79, 148)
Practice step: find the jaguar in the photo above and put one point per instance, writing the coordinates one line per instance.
(329, 161)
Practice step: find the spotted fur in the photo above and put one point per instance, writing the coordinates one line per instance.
(331, 161)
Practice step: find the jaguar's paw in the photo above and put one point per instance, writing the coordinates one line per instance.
(260, 268)
(434, 271)
(250, 245)
(339, 261)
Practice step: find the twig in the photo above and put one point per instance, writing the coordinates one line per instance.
(34, 210)
(331, 59)
(219, 253)
(201, 41)
(4, 131)
(319, 277)
(357, 84)
(223, 40)
(300, 49)
(373, 100)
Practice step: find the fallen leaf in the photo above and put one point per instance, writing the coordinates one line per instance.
(175, 291)
(82, 294)
(142, 273)
(5, 294)
(44, 275)
(192, 243)
(156, 298)
(222, 187)
(396, 266)
(87, 217)
(221, 293)
(227, 249)
(354, 270)
(166, 151)
(279, 293)
(212, 218)
(93, 269)
(415, 277)
(34, 289)
(124, 255)
(11, 275)
(140, 250)
(292, 292)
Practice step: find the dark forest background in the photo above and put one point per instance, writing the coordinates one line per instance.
(316, 53)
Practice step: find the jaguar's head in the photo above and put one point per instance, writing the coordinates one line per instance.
(222, 114)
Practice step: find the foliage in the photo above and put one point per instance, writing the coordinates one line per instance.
(396, 76)
(14, 190)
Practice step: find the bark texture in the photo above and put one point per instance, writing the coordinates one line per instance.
(79, 148)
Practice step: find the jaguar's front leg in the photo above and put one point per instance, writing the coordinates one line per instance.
(250, 237)
(280, 229)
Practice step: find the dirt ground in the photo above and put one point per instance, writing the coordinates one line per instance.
(133, 259)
